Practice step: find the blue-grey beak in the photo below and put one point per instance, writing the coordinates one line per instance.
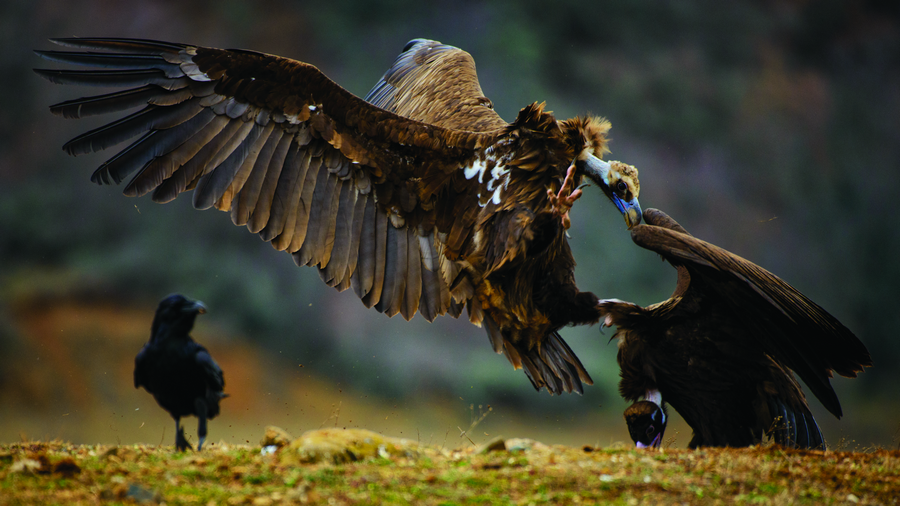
(631, 210)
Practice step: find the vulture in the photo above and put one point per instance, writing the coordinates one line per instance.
(723, 348)
(420, 197)
(179, 373)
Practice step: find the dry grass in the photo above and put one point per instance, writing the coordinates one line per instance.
(401, 471)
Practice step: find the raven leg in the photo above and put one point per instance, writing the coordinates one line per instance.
(201, 409)
(181, 443)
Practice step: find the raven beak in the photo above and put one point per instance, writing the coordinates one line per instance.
(198, 307)
(630, 210)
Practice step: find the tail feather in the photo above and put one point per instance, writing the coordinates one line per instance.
(552, 365)
(793, 429)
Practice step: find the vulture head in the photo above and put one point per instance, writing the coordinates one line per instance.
(587, 137)
(619, 181)
(646, 423)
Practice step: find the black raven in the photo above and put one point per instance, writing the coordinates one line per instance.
(182, 376)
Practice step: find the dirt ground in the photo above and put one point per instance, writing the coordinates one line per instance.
(354, 466)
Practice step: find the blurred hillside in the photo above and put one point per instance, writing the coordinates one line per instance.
(769, 128)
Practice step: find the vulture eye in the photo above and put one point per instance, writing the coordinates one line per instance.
(650, 430)
(622, 187)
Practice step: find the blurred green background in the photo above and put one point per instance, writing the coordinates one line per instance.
(769, 128)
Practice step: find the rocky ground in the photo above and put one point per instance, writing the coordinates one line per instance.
(354, 466)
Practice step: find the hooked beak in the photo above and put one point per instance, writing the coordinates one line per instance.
(197, 307)
(631, 210)
(599, 172)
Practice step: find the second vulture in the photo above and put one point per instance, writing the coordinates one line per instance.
(420, 199)
(721, 349)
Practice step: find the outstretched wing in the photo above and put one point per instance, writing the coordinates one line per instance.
(437, 83)
(789, 326)
(339, 183)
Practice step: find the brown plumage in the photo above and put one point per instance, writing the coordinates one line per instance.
(422, 200)
(722, 348)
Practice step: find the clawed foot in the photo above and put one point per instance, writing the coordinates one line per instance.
(561, 202)
(181, 443)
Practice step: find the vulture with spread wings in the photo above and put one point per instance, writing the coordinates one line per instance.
(722, 348)
(420, 199)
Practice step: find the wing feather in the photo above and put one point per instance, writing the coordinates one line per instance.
(119, 101)
(212, 185)
(789, 326)
(117, 78)
(419, 75)
(335, 268)
(242, 173)
(380, 241)
(321, 188)
(325, 239)
(394, 272)
(149, 148)
(150, 118)
(160, 169)
(356, 233)
(115, 61)
(282, 211)
(363, 277)
(262, 208)
(414, 276)
(435, 298)
(183, 178)
(243, 205)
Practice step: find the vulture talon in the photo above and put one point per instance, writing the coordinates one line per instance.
(562, 202)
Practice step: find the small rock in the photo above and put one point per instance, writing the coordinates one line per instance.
(66, 467)
(24, 466)
(494, 445)
(276, 436)
(142, 495)
(523, 444)
(345, 445)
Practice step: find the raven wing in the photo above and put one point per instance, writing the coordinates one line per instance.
(212, 373)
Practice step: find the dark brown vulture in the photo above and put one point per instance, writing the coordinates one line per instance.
(722, 348)
(422, 200)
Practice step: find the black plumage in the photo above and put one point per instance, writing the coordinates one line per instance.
(180, 373)
(646, 421)
(722, 349)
